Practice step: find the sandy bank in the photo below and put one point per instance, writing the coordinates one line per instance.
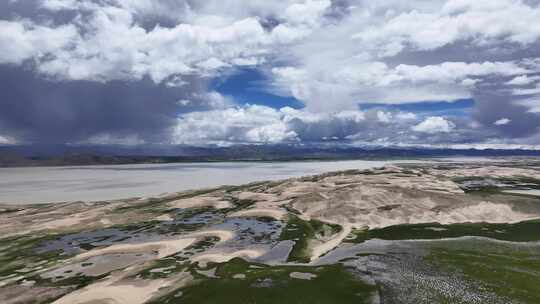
(535, 192)
(320, 249)
(223, 256)
(163, 248)
(200, 201)
(223, 235)
(117, 291)
(277, 214)
(482, 212)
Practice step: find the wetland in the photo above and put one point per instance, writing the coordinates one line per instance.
(456, 232)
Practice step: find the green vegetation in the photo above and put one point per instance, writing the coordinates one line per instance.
(264, 284)
(164, 267)
(78, 281)
(325, 229)
(135, 227)
(10, 210)
(508, 270)
(520, 232)
(158, 205)
(18, 255)
(238, 204)
(189, 220)
(254, 186)
(302, 232)
(19, 258)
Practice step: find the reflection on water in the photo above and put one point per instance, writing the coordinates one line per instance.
(73, 243)
(252, 231)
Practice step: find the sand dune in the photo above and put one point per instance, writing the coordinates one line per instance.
(320, 249)
(116, 290)
(223, 235)
(224, 256)
(277, 214)
(163, 248)
(201, 201)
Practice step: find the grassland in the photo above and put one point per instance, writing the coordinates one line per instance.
(526, 231)
(266, 284)
(508, 270)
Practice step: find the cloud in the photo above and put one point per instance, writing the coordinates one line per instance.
(528, 91)
(6, 141)
(522, 80)
(105, 71)
(142, 70)
(208, 100)
(309, 12)
(108, 139)
(250, 124)
(480, 21)
(532, 104)
(37, 110)
(262, 125)
(109, 45)
(384, 117)
(310, 126)
(122, 50)
(397, 52)
(502, 122)
(495, 102)
(109, 41)
(406, 116)
(434, 124)
(23, 40)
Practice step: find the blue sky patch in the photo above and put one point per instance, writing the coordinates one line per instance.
(245, 86)
(460, 107)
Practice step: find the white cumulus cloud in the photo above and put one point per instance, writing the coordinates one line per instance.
(6, 140)
(331, 55)
(502, 122)
(434, 124)
(250, 124)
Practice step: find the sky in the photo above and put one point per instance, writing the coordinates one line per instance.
(429, 73)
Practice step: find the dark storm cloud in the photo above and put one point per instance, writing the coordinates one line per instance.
(37, 110)
(21, 9)
(338, 9)
(462, 51)
(494, 105)
(493, 96)
(328, 54)
(33, 10)
(168, 14)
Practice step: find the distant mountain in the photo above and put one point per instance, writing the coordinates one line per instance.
(66, 155)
